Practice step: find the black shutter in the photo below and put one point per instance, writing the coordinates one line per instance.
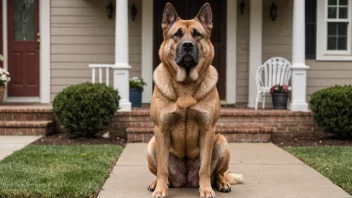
(311, 28)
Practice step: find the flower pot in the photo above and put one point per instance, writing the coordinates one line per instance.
(2, 93)
(279, 100)
(136, 97)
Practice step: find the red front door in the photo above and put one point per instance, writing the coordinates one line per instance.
(23, 49)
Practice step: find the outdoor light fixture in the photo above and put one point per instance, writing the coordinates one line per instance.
(273, 11)
(110, 10)
(242, 5)
(134, 11)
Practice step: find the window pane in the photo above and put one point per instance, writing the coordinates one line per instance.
(342, 29)
(23, 20)
(343, 13)
(332, 29)
(343, 2)
(342, 43)
(332, 2)
(332, 12)
(332, 43)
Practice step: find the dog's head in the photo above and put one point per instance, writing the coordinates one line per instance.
(187, 50)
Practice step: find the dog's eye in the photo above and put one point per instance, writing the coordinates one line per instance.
(196, 34)
(179, 33)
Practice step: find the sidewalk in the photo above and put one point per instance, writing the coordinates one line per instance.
(269, 172)
(10, 144)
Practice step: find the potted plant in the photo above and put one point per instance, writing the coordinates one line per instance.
(136, 88)
(4, 79)
(279, 95)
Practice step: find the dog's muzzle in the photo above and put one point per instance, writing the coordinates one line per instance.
(187, 55)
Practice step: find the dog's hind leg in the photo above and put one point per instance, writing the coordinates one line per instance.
(220, 165)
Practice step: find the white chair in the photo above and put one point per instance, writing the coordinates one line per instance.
(274, 71)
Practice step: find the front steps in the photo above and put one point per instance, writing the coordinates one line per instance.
(26, 120)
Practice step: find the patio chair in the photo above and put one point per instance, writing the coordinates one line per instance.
(274, 71)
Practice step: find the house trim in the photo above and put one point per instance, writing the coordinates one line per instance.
(45, 59)
(147, 49)
(231, 53)
(147, 52)
(45, 53)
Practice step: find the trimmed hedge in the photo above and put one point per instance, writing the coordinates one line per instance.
(332, 109)
(86, 109)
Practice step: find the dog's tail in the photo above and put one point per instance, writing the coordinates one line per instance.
(233, 178)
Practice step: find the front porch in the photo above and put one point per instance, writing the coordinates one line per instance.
(237, 124)
(121, 68)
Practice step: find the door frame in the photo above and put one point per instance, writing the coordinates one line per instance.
(148, 44)
(45, 59)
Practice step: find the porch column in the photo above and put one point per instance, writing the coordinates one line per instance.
(255, 46)
(299, 68)
(122, 67)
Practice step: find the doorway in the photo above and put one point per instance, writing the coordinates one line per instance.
(23, 48)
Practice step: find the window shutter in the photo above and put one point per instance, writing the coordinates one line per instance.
(311, 28)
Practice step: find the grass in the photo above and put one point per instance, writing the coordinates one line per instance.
(333, 162)
(57, 171)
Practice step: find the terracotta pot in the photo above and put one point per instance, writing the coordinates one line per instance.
(2, 93)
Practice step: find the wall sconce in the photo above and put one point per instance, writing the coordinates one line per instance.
(134, 11)
(242, 5)
(273, 11)
(110, 10)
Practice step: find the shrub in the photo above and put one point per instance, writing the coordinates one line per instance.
(332, 109)
(87, 108)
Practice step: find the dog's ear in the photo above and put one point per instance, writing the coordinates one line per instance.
(205, 17)
(170, 16)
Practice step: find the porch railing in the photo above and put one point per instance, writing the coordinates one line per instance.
(100, 68)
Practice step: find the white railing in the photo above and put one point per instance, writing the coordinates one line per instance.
(100, 68)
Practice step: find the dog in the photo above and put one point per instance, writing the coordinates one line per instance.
(185, 151)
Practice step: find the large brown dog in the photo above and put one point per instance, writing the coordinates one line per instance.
(185, 151)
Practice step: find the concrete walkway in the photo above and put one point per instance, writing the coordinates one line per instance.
(10, 144)
(269, 172)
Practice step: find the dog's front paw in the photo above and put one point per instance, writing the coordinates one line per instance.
(152, 186)
(224, 186)
(206, 192)
(160, 191)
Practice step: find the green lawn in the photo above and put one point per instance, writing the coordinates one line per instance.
(333, 162)
(57, 171)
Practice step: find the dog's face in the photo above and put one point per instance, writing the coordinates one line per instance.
(186, 50)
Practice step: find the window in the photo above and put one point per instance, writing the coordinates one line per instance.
(337, 25)
(334, 30)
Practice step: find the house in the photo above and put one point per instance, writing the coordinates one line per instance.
(49, 44)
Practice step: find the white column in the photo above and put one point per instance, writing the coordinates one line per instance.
(147, 49)
(255, 46)
(122, 67)
(299, 68)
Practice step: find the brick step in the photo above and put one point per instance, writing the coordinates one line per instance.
(26, 113)
(220, 124)
(262, 134)
(26, 127)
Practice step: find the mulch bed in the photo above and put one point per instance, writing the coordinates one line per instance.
(326, 141)
(65, 139)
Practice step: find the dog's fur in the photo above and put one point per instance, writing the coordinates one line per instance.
(185, 151)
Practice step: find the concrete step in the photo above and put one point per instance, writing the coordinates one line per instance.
(26, 127)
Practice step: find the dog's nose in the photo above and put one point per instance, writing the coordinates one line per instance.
(187, 46)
